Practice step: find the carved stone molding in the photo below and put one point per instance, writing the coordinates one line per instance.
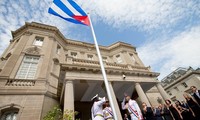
(51, 37)
(28, 33)
(33, 50)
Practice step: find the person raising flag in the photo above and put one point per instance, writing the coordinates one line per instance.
(97, 107)
(132, 108)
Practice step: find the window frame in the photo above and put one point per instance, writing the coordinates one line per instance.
(169, 93)
(58, 49)
(38, 41)
(90, 57)
(119, 59)
(28, 67)
(184, 84)
(74, 53)
(176, 88)
(132, 57)
(13, 111)
(105, 59)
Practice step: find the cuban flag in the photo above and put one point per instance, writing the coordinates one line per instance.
(70, 11)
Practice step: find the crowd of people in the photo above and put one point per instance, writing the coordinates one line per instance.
(187, 109)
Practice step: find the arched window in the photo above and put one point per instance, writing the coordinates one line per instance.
(9, 114)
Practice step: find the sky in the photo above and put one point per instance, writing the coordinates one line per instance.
(166, 33)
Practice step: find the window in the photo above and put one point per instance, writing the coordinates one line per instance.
(9, 114)
(169, 93)
(176, 88)
(28, 67)
(105, 59)
(185, 85)
(8, 55)
(74, 54)
(132, 57)
(56, 66)
(90, 57)
(173, 99)
(66, 56)
(58, 49)
(119, 59)
(38, 41)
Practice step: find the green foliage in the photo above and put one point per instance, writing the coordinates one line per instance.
(69, 114)
(57, 114)
(54, 114)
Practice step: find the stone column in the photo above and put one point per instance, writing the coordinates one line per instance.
(115, 101)
(69, 96)
(162, 91)
(141, 94)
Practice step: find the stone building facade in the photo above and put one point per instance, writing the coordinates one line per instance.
(41, 68)
(179, 81)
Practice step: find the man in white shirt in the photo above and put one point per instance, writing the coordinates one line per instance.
(132, 107)
(107, 112)
(97, 108)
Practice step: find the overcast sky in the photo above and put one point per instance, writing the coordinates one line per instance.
(165, 32)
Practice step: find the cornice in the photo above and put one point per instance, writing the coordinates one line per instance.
(105, 48)
(117, 44)
(189, 73)
(40, 26)
(68, 41)
(109, 70)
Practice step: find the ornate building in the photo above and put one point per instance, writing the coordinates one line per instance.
(179, 81)
(41, 68)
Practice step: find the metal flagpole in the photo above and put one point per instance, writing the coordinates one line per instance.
(103, 70)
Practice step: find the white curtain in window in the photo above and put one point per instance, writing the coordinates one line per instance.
(28, 67)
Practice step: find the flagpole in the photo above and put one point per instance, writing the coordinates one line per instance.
(103, 70)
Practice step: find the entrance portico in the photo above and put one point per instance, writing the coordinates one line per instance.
(86, 80)
(83, 85)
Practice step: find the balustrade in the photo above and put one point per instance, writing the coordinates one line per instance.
(20, 82)
(83, 62)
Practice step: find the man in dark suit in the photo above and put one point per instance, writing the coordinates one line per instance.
(196, 93)
(147, 112)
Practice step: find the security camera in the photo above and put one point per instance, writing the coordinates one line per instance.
(124, 76)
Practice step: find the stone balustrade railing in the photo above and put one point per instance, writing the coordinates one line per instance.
(83, 62)
(20, 82)
(139, 67)
(114, 65)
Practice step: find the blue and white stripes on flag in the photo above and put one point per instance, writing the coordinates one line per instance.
(70, 11)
